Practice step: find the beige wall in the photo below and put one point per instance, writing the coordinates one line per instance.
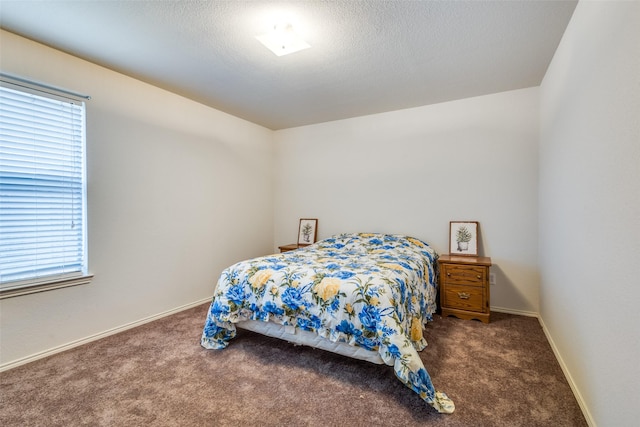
(590, 207)
(176, 192)
(412, 171)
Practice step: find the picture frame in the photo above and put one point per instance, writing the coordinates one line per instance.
(463, 238)
(307, 231)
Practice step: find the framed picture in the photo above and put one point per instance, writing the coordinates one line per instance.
(463, 238)
(308, 231)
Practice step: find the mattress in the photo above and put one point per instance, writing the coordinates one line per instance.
(300, 337)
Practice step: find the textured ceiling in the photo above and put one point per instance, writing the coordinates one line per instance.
(366, 56)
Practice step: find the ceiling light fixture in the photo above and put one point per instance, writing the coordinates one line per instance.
(282, 40)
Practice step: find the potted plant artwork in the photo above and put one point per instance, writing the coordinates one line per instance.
(307, 231)
(463, 238)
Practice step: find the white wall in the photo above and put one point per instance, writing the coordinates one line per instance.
(590, 207)
(412, 171)
(176, 192)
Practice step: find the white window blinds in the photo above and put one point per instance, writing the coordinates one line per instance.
(42, 187)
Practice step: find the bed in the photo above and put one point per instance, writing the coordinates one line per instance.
(361, 295)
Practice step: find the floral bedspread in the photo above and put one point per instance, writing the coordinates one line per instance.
(370, 290)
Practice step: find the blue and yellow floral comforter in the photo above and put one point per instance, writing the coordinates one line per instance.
(370, 290)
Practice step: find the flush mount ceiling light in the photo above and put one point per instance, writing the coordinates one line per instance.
(282, 40)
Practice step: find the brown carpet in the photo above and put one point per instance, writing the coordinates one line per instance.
(500, 374)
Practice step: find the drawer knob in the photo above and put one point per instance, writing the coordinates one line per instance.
(464, 295)
(449, 274)
(479, 276)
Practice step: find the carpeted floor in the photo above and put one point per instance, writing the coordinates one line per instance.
(500, 374)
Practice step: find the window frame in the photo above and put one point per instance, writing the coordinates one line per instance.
(57, 280)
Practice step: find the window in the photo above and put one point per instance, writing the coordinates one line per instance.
(42, 190)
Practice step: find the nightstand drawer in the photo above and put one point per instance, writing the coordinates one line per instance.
(464, 274)
(469, 298)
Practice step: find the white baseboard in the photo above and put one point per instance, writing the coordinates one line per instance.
(22, 361)
(518, 312)
(567, 374)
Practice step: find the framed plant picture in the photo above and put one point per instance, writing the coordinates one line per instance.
(463, 238)
(308, 231)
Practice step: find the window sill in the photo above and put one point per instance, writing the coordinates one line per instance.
(31, 288)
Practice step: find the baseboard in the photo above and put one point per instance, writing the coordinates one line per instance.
(22, 361)
(517, 312)
(567, 374)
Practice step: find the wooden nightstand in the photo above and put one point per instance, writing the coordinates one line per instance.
(464, 286)
(289, 247)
